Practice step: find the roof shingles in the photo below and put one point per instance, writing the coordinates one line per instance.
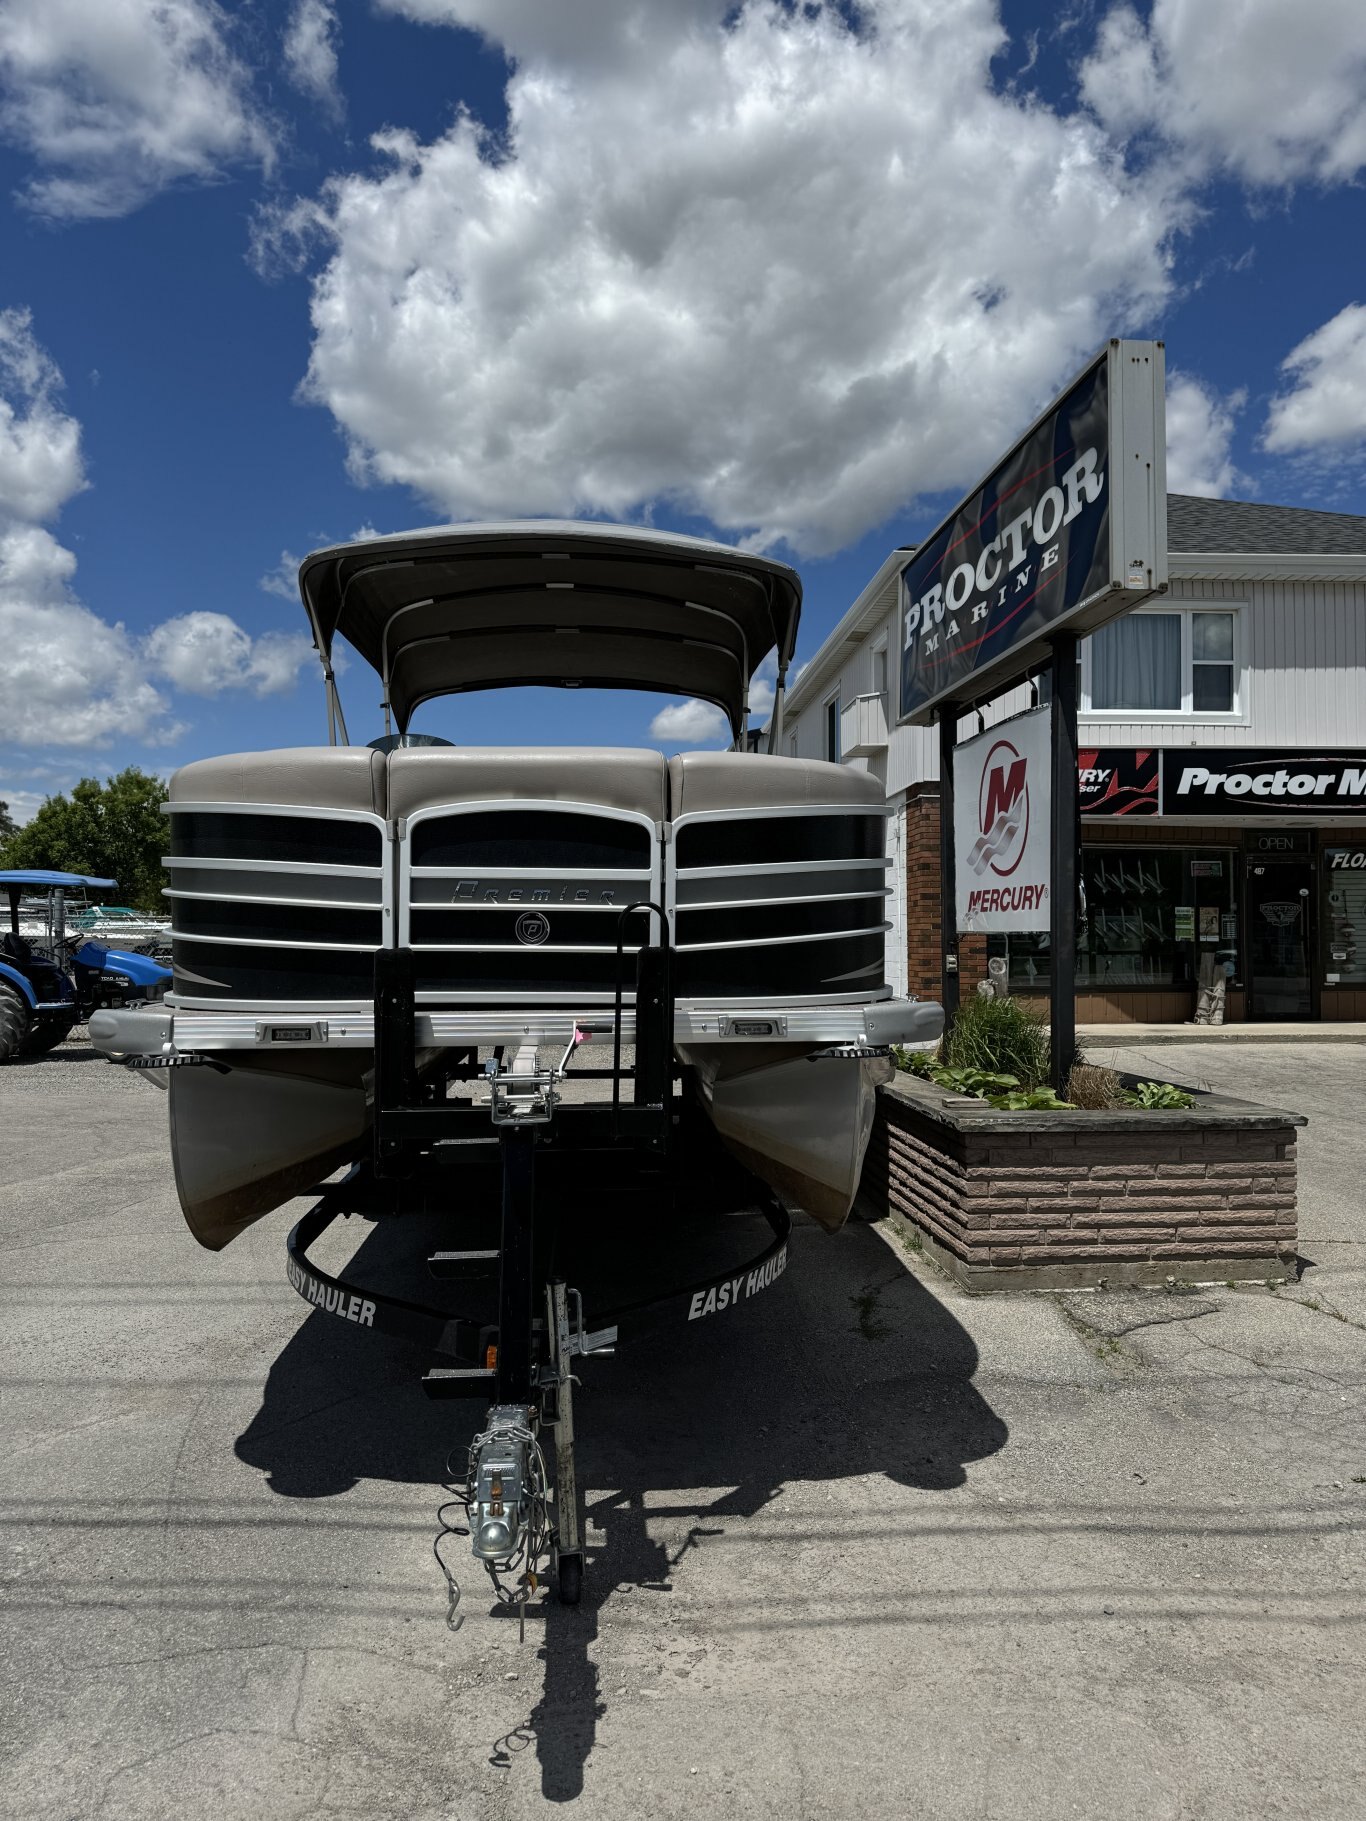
(1244, 525)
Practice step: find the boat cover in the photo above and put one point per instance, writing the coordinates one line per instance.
(42, 878)
(568, 603)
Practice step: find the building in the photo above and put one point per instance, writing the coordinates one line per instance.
(1223, 776)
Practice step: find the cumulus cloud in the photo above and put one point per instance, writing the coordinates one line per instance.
(1200, 425)
(40, 445)
(1242, 86)
(206, 653)
(23, 804)
(691, 724)
(1324, 409)
(310, 47)
(70, 678)
(116, 100)
(283, 579)
(784, 272)
(589, 32)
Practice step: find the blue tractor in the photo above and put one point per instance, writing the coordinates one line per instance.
(44, 990)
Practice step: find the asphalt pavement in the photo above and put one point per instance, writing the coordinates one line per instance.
(863, 1547)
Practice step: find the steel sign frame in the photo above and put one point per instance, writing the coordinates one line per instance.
(1067, 532)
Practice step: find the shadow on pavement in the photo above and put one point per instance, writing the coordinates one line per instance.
(849, 1363)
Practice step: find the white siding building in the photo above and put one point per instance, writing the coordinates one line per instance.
(1257, 653)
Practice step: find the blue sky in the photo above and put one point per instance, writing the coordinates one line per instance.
(789, 276)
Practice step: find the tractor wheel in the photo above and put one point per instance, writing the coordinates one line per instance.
(14, 1022)
(46, 1034)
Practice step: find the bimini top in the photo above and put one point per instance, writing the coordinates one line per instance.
(464, 607)
(40, 877)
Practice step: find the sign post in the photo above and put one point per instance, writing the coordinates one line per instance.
(948, 882)
(1066, 842)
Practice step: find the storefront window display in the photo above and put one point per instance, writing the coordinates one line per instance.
(1344, 916)
(1152, 915)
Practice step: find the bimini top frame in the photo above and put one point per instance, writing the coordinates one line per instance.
(563, 603)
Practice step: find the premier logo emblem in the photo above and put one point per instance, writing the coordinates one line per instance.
(532, 928)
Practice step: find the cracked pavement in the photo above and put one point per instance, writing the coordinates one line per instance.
(864, 1547)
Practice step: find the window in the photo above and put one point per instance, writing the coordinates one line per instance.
(832, 730)
(1163, 663)
(1344, 914)
(1212, 663)
(1152, 914)
(880, 673)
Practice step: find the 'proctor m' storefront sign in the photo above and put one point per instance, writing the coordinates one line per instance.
(1000, 826)
(1068, 531)
(1265, 783)
(1218, 781)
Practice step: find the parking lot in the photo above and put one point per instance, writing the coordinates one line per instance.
(865, 1547)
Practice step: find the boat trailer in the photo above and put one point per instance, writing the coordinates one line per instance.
(516, 1514)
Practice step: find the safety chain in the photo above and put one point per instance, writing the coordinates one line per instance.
(535, 1543)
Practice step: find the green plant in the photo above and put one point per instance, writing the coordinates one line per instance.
(980, 1082)
(1001, 1037)
(915, 1062)
(1163, 1095)
(1037, 1100)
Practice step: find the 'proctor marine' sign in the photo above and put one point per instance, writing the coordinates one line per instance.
(1069, 530)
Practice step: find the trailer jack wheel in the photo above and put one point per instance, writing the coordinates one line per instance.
(569, 1574)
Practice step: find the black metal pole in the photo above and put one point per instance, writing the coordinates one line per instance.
(948, 884)
(1064, 836)
(513, 1381)
(395, 1048)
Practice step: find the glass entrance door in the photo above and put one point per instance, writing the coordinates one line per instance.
(1279, 938)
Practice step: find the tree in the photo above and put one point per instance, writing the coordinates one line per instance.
(113, 830)
(7, 822)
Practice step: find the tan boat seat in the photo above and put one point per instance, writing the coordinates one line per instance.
(736, 780)
(618, 777)
(314, 777)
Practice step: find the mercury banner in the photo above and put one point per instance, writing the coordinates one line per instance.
(1117, 781)
(1069, 530)
(1001, 796)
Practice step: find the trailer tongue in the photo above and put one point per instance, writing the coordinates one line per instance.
(518, 1516)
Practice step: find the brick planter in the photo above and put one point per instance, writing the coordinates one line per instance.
(1008, 1201)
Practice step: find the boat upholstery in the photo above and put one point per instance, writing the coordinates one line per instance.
(425, 777)
(314, 777)
(726, 780)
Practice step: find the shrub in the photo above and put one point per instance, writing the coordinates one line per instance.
(1037, 1100)
(916, 1062)
(1093, 1087)
(1000, 1037)
(979, 1082)
(1160, 1094)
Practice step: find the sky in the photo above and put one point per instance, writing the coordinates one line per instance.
(280, 273)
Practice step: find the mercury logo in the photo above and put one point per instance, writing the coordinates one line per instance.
(1002, 812)
(532, 928)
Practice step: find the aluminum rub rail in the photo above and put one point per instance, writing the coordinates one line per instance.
(149, 1030)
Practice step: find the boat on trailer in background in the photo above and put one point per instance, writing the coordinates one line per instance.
(381, 949)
